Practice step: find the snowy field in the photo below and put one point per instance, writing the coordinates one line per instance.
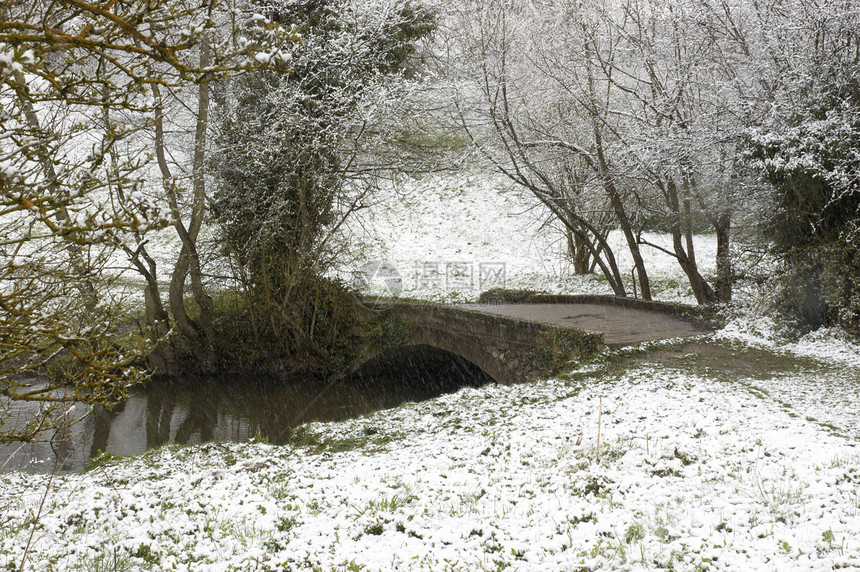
(438, 223)
(734, 451)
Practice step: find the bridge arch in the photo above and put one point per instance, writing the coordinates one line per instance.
(425, 365)
(510, 350)
(515, 342)
(472, 350)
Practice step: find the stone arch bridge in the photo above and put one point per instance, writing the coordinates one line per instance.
(515, 342)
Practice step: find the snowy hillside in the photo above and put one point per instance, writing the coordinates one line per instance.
(482, 220)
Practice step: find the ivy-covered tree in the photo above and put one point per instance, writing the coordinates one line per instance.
(813, 164)
(295, 154)
(808, 150)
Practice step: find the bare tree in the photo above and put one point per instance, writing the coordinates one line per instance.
(647, 101)
(534, 114)
(78, 98)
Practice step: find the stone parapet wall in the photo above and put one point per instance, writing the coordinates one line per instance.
(510, 350)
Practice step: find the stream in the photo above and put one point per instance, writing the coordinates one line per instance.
(238, 408)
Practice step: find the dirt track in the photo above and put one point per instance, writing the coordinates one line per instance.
(619, 325)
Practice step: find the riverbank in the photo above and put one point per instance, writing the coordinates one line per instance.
(736, 450)
(701, 466)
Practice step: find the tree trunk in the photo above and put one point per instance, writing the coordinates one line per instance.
(621, 215)
(162, 359)
(608, 266)
(204, 301)
(602, 168)
(76, 255)
(580, 256)
(201, 337)
(703, 291)
(688, 230)
(681, 233)
(724, 259)
(198, 209)
(601, 252)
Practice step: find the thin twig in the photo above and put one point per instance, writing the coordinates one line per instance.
(599, 417)
(3, 466)
(39, 512)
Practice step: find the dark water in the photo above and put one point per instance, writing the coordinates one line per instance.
(241, 408)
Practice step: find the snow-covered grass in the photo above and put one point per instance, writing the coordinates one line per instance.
(736, 451)
(697, 470)
(438, 222)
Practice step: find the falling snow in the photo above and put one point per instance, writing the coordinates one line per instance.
(696, 468)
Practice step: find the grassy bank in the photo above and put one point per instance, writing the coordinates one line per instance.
(701, 464)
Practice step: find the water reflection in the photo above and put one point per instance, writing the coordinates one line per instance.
(240, 408)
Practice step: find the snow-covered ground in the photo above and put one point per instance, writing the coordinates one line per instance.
(436, 224)
(702, 465)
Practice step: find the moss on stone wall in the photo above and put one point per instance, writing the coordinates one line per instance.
(506, 296)
(386, 330)
(562, 346)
